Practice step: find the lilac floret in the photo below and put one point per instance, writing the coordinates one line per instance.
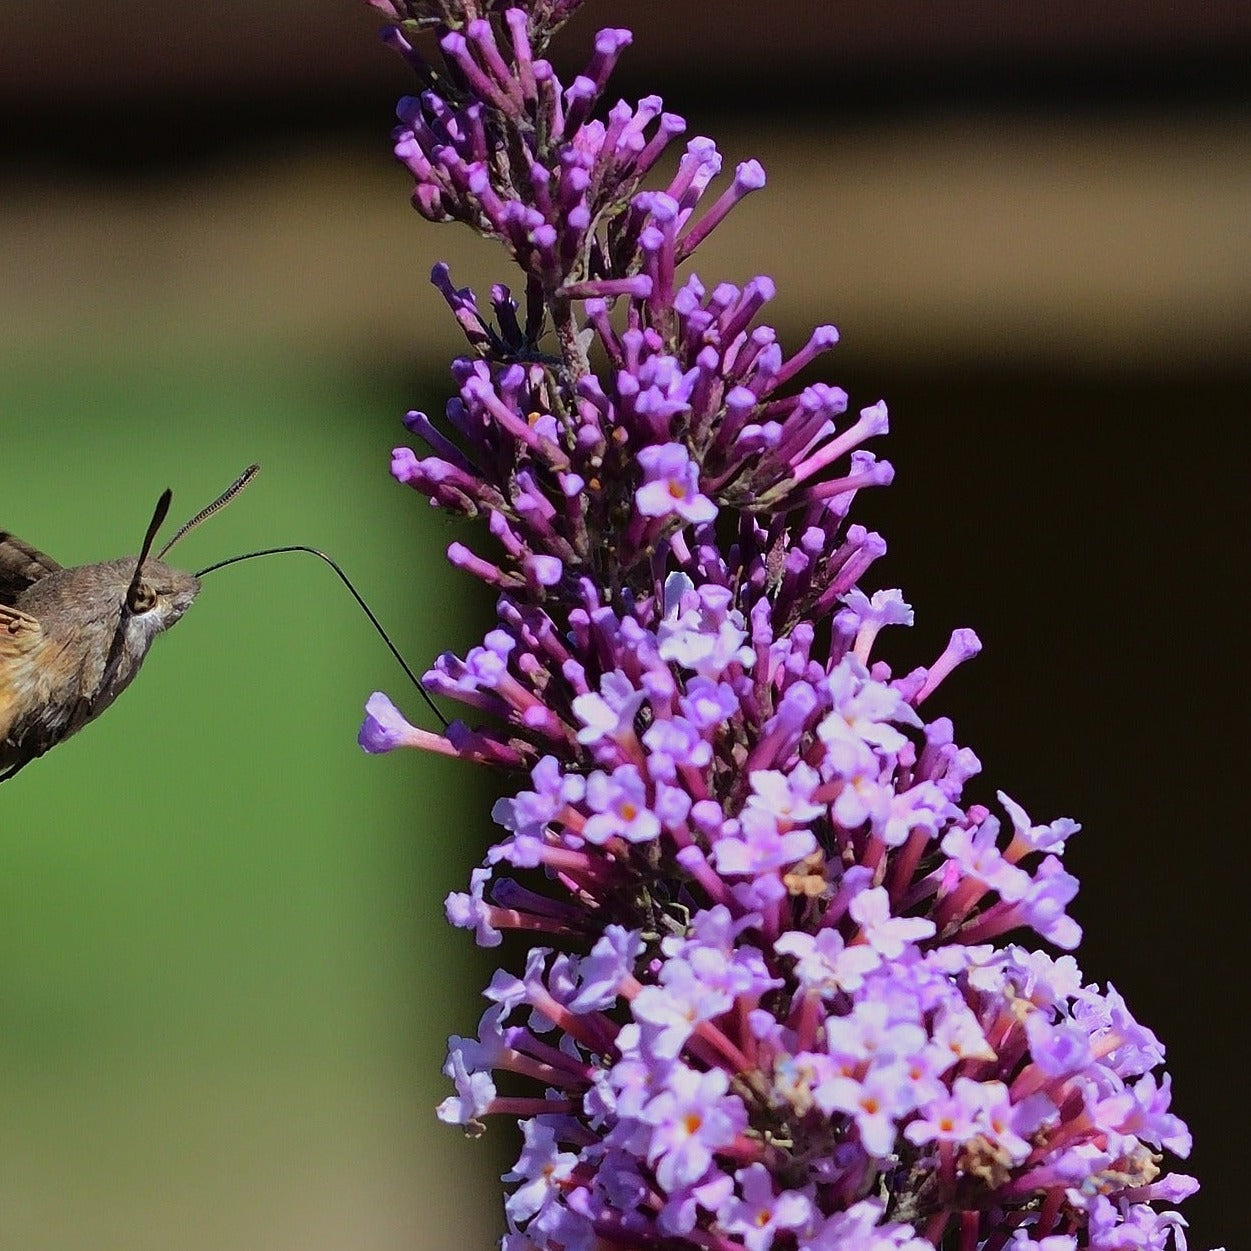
(385, 728)
(672, 486)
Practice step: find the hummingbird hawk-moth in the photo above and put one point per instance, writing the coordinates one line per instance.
(71, 640)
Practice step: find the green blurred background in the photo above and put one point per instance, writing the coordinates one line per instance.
(225, 982)
(219, 1016)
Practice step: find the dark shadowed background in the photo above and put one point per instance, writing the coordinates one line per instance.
(224, 979)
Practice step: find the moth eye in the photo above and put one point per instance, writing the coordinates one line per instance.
(142, 599)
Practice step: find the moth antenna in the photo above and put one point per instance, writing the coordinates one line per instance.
(114, 656)
(219, 503)
(158, 519)
(356, 595)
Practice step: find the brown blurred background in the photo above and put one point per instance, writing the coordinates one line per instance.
(1030, 224)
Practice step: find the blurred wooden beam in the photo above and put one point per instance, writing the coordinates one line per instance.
(1109, 246)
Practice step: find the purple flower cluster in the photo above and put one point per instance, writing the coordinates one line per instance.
(775, 1004)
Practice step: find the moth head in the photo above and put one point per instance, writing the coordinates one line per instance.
(159, 595)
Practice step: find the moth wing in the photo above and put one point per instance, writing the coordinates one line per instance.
(20, 566)
(21, 637)
(20, 634)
